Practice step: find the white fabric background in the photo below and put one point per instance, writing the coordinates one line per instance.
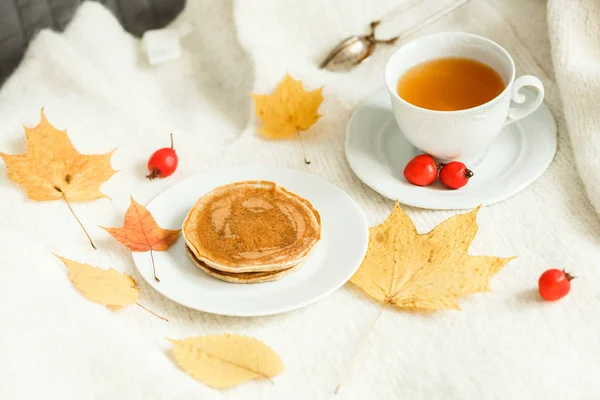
(93, 81)
(575, 37)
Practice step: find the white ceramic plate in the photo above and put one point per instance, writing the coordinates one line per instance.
(378, 152)
(337, 256)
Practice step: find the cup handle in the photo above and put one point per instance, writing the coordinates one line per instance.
(520, 112)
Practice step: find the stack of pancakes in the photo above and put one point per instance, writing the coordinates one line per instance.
(250, 232)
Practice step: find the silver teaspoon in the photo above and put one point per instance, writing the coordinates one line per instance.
(357, 49)
(354, 50)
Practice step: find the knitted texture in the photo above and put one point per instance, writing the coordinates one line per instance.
(505, 344)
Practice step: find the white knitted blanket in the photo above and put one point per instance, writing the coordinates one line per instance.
(575, 37)
(94, 81)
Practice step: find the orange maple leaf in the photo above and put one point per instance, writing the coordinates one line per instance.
(140, 232)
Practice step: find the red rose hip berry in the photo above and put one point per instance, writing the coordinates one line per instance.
(554, 284)
(421, 170)
(163, 162)
(455, 175)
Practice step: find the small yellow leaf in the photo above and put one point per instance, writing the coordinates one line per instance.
(224, 361)
(52, 168)
(427, 271)
(288, 110)
(105, 286)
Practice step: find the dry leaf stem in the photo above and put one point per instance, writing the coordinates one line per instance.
(153, 266)
(360, 349)
(153, 313)
(78, 221)
(306, 161)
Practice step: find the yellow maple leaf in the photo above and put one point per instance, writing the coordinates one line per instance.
(52, 168)
(424, 271)
(224, 361)
(288, 110)
(105, 286)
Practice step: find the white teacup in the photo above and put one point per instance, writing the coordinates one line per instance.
(465, 134)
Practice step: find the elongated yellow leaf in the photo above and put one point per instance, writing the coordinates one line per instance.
(224, 361)
(105, 286)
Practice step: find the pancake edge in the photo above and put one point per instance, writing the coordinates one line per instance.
(276, 275)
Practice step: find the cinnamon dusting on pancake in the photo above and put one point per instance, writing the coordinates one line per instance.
(237, 230)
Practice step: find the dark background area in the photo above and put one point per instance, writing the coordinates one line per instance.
(20, 20)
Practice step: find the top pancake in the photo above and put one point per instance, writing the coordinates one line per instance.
(251, 226)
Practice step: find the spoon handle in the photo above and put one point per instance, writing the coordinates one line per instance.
(443, 12)
(400, 9)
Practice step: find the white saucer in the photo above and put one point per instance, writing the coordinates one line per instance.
(344, 241)
(377, 152)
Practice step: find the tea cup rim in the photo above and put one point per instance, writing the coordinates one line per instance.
(394, 93)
